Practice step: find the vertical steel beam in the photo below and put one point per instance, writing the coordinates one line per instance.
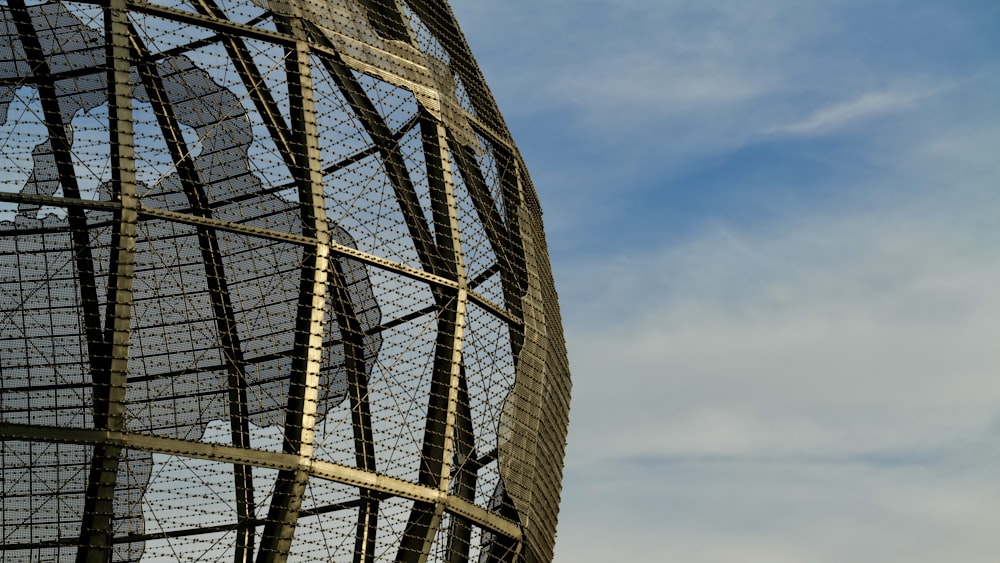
(442, 409)
(217, 282)
(300, 416)
(361, 419)
(108, 349)
(97, 529)
(465, 474)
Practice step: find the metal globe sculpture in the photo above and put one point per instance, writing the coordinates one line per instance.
(273, 287)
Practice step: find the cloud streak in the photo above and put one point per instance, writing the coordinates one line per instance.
(864, 107)
(835, 339)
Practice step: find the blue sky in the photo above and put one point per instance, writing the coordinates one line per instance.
(774, 228)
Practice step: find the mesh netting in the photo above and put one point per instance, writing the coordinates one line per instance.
(273, 287)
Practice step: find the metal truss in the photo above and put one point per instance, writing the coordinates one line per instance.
(273, 287)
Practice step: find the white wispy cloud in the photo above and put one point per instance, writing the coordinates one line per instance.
(839, 338)
(625, 63)
(815, 390)
(863, 107)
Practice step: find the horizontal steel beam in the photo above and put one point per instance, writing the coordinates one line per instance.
(325, 470)
(300, 240)
(185, 532)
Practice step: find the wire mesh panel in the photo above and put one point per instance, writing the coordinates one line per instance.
(273, 287)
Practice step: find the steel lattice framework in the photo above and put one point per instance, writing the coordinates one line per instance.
(273, 286)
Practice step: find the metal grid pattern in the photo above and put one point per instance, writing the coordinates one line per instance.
(273, 287)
